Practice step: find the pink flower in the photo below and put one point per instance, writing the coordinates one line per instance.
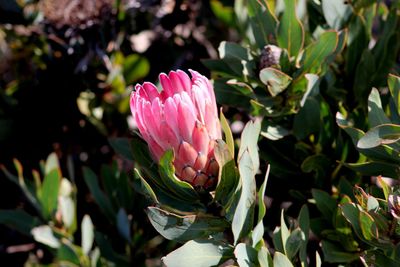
(182, 117)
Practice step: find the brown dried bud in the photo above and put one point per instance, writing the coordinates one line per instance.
(270, 56)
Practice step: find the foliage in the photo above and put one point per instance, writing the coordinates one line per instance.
(308, 168)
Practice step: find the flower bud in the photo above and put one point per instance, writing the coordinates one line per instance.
(270, 56)
(182, 117)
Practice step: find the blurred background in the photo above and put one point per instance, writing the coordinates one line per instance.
(66, 72)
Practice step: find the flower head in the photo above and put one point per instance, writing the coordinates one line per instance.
(182, 117)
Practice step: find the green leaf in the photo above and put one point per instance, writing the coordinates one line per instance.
(280, 260)
(387, 190)
(386, 46)
(228, 134)
(372, 204)
(274, 132)
(50, 189)
(122, 146)
(378, 259)
(246, 256)
(325, 203)
(101, 199)
(375, 168)
(243, 217)
(222, 12)
(232, 95)
(123, 225)
(87, 235)
(304, 224)
(307, 120)
(364, 74)
(380, 135)
(237, 58)
(376, 115)
(284, 232)
(317, 163)
(368, 226)
(20, 181)
(228, 177)
(135, 67)
(394, 87)
(336, 13)
(248, 142)
(264, 257)
(351, 212)
(184, 228)
(294, 242)
(290, 30)
(180, 189)
(275, 80)
(248, 166)
(67, 256)
(277, 239)
(262, 22)
(229, 50)
(68, 212)
(334, 254)
(146, 188)
(380, 153)
(312, 88)
(317, 53)
(357, 42)
(18, 220)
(51, 163)
(44, 234)
(221, 67)
(108, 253)
(258, 231)
(198, 253)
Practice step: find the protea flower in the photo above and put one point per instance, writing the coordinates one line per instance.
(182, 117)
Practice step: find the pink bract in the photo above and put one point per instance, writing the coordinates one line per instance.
(182, 117)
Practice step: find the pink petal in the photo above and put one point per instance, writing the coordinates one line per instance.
(188, 174)
(185, 80)
(171, 115)
(188, 101)
(155, 149)
(140, 91)
(169, 137)
(151, 90)
(213, 168)
(210, 122)
(200, 179)
(200, 163)
(205, 85)
(200, 139)
(138, 115)
(179, 166)
(176, 82)
(152, 125)
(166, 84)
(186, 121)
(200, 102)
(187, 154)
